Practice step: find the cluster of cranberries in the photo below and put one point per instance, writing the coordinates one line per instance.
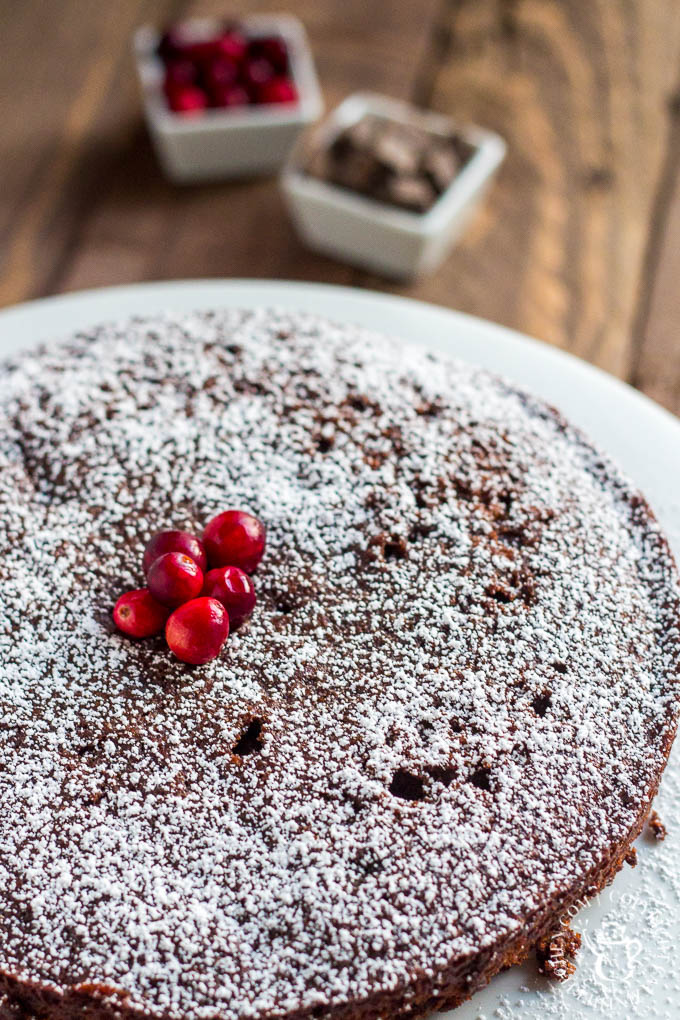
(196, 606)
(227, 70)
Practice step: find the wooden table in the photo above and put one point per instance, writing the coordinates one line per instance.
(579, 243)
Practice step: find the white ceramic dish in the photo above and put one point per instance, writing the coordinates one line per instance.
(227, 143)
(628, 966)
(370, 234)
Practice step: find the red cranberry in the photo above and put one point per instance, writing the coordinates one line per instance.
(220, 73)
(273, 49)
(278, 90)
(138, 614)
(232, 45)
(202, 52)
(179, 73)
(187, 99)
(174, 541)
(230, 96)
(255, 71)
(174, 578)
(197, 630)
(236, 539)
(234, 589)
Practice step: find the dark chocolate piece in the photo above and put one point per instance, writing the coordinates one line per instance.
(409, 192)
(440, 165)
(398, 149)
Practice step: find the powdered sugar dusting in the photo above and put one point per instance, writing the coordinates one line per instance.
(630, 938)
(458, 590)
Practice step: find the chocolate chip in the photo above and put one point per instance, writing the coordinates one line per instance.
(398, 150)
(357, 170)
(357, 136)
(440, 165)
(412, 193)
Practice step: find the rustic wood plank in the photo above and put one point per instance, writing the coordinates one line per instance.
(656, 365)
(99, 211)
(580, 92)
(48, 129)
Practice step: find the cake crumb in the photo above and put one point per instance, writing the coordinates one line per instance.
(656, 827)
(631, 857)
(555, 953)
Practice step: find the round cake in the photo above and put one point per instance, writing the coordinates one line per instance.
(443, 726)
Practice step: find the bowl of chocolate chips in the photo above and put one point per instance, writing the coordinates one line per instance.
(386, 186)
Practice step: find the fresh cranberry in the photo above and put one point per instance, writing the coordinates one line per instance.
(230, 96)
(197, 630)
(138, 614)
(232, 45)
(174, 578)
(179, 73)
(187, 99)
(174, 541)
(273, 49)
(220, 73)
(202, 52)
(236, 539)
(255, 71)
(234, 589)
(278, 90)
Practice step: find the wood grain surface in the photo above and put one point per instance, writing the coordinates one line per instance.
(578, 244)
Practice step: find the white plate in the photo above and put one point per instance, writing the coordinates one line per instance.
(628, 966)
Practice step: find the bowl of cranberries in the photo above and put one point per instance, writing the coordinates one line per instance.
(226, 99)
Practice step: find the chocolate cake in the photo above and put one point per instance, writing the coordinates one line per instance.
(443, 726)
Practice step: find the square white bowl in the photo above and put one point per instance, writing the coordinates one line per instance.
(374, 235)
(215, 143)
